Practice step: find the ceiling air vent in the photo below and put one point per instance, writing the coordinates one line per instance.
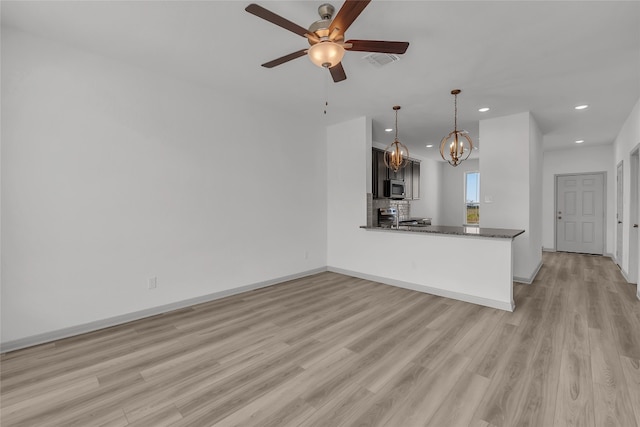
(380, 59)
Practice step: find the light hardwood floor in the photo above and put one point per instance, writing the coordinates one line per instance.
(331, 350)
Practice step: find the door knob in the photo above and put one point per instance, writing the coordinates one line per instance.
(559, 217)
(635, 225)
(619, 222)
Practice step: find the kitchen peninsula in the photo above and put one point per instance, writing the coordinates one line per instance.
(471, 264)
(475, 268)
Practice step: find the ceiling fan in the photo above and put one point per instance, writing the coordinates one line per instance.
(326, 37)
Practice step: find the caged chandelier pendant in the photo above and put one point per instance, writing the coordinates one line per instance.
(456, 147)
(396, 155)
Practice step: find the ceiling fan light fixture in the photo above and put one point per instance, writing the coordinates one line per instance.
(326, 54)
(327, 37)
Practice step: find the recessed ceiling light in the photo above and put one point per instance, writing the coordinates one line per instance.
(581, 107)
(484, 109)
(579, 141)
(429, 145)
(388, 130)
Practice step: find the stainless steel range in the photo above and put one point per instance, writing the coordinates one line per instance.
(387, 217)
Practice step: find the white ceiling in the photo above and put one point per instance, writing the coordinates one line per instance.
(540, 56)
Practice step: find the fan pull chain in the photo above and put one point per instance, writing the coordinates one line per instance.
(326, 93)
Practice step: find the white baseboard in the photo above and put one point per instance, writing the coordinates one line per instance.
(625, 275)
(606, 254)
(529, 280)
(501, 305)
(118, 320)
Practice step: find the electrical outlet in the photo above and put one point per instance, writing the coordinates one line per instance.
(152, 283)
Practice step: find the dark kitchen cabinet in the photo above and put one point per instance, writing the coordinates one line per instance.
(408, 181)
(412, 180)
(415, 180)
(379, 173)
(410, 174)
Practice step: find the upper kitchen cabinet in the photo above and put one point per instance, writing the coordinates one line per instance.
(415, 180)
(412, 180)
(410, 174)
(380, 174)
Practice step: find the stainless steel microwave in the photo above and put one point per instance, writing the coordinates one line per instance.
(394, 189)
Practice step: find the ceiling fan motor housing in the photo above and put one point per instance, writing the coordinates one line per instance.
(326, 11)
(321, 27)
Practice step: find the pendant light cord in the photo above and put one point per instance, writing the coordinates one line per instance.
(396, 125)
(455, 113)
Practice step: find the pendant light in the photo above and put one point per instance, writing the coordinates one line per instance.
(396, 155)
(456, 147)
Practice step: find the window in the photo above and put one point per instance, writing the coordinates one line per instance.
(472, 198)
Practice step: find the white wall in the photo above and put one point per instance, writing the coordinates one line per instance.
(506, 191)
(453, 211)
(428, 206)
(535, 190)
(113, 174)
(627, 140)
(348, 162)
(577, 160)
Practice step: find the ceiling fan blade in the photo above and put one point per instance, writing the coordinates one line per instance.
(267, 15)
(348, 13)
(378, 46)
(337, 72)
(285, 58)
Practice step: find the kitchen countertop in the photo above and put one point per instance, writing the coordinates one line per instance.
(496, 233)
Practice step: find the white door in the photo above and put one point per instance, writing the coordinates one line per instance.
(580, 213)
(619, 215)
(634, 218)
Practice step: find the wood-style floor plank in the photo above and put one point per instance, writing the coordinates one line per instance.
(418, 407)
(458, 407)
(575, 402)
(631, 369)
(613, 404)
(333, 350)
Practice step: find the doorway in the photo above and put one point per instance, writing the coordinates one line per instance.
(580, 213)
(634, 216)
(619, 206)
